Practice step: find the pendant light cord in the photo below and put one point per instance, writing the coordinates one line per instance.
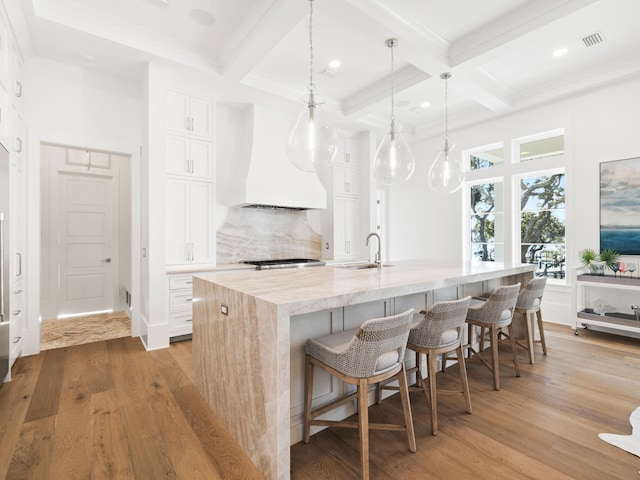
(391, 42)
(311, 85)
(446, 77)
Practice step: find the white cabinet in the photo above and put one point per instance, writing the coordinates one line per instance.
(347, 237)
(189, 115)
(188, 222)
(179, 298)
(342, 232)
(189, 157)
(618, 292)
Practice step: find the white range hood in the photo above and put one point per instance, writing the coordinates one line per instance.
(260, 173)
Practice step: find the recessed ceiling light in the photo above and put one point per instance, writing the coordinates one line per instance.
(202, 17)
(425, 104)
(335, 64)
(560, 52)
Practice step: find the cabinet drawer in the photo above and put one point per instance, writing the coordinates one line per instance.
(180, 282)
(180, 300)
(181, 322)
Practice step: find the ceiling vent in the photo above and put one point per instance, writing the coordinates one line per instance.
(327, 72)
(593, 39)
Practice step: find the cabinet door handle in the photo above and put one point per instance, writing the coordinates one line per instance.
(188, 300)
(16, 312)
(192, 124)
(347, 158)
(19, 255)
(17, 339)
(186, 124)
(347, 246)
(189, 320)
(18, 89)
(347, 187)
(18, 145)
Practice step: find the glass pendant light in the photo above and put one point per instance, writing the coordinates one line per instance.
(312, 143)
(394, 162)
(446, 175)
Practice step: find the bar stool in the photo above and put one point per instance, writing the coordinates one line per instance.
(439, 332)
(494, 314)
(363, 356)
(528, 304)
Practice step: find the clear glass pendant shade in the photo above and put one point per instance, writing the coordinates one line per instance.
(446, 175)
(312, 143)
(394, 162)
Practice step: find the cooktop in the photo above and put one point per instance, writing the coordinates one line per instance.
(285, 263)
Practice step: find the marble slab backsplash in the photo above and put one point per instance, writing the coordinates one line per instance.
(265, 234)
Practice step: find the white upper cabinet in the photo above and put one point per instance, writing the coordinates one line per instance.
(189, 232)
(189, 157)
(189, 115)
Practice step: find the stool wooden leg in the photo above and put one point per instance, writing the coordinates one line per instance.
(513, 347)
(541, 329)
(495, 362)
(420, 382)
(308, 395)
(431, 361)
(463, 378)
(531, 335)
(363, 423)
(406, 407)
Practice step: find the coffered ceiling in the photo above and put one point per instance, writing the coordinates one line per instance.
(500, 52)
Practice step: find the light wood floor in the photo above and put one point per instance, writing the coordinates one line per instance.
(111, 410)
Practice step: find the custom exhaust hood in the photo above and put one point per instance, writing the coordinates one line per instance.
(260, 172)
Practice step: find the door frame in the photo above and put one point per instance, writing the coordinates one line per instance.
(131, 149)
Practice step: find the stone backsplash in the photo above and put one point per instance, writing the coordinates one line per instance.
(265, 234)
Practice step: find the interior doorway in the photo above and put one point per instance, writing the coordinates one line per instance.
(85, 233)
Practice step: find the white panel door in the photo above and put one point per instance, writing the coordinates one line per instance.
(85, 248)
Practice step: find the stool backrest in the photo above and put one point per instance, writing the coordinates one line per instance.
(531, 296)
(501, 300)
(442, 318)
(378, 337)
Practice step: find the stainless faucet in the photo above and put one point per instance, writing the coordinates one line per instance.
(378, 260)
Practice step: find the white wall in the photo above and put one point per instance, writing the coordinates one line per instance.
(600, 126)
(71, 106)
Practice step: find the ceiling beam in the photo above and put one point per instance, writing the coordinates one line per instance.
(487, 43)
(403, 78)
(262, 29)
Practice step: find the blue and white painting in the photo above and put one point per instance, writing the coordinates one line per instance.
(620, 206)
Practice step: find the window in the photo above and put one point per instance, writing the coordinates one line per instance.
(517, 208)
(542, 223)
(487, 222)
(487, 157)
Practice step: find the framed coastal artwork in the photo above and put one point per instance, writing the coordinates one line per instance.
(620, 206)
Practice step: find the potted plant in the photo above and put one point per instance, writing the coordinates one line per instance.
(591, 260)
(610, 258)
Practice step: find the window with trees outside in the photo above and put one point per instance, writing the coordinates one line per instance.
(525, 196)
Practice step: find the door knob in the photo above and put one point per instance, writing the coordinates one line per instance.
(106, 260)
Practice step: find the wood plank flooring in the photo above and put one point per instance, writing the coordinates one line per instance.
(543, 425)
(110, 410)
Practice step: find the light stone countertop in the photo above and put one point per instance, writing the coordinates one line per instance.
(196, 269)
(303, 290)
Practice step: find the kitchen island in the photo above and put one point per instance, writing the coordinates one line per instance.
(243, 323)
